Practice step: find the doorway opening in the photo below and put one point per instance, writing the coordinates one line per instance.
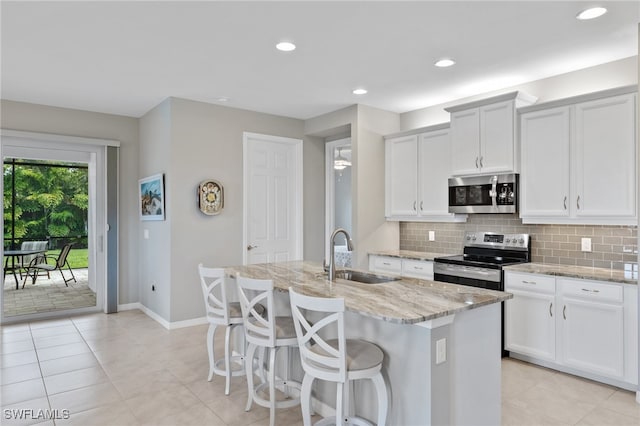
(54, 214)
(46, 207)
(338, 197)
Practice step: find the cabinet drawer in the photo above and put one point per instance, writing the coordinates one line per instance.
(388, 264)
(591, 290)
(422, 269)
(529, 282)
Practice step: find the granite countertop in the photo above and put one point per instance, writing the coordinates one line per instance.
(408, 254)
(583, 272)
(407, 301)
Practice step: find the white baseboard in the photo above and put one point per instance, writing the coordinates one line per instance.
(163, 322)
(129, 306)
(638, 397)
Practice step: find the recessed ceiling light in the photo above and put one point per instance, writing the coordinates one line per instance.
(359, 91)
(591, 13)
(222, 99)
(445, 62)
(286, 46)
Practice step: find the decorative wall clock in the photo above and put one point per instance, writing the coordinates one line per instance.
(210, 197)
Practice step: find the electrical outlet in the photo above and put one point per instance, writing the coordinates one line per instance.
(146, 234)
(586, 244)
(153, 287)
(441, 351)
(432, 235)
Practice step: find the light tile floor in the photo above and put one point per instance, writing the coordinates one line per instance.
(48, 294)
(125, 369)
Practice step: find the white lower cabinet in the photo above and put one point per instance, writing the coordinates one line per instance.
(421, 269)
(581, 326)
(530, 327)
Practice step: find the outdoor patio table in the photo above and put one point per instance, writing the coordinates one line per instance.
(16, 254)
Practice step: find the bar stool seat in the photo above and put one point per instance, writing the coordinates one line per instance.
(268, 332)
(338, 360)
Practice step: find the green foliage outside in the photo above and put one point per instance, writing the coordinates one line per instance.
(50, 202)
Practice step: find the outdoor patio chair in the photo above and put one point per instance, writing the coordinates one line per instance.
(38, 258)
(33, 269)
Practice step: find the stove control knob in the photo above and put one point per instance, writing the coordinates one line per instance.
(508, 240)
(468, 237)
(521, 241)
(473, 238)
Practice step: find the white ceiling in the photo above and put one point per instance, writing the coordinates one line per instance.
(126, 57)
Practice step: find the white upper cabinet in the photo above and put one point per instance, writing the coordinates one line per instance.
(579, 162)
(465, 142)
(483, 135)
(544, 181)
(605, 158)
(416, 176)
(401, 176)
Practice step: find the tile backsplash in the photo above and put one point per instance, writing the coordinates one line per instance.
(613, 247)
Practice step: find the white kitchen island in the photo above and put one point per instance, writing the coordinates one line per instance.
(410, 319)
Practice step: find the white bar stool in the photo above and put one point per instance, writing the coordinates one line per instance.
(337, 360)
(221, 312)
(270, 332)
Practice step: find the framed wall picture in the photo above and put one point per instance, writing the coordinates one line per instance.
(152, 201)
(210, 197)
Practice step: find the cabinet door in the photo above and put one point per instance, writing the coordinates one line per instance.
(592, 336)
(465, 142)
(497, 137)
(544, 182)
(434, 154)
(530, 324)
(605, 158)
(401, 175)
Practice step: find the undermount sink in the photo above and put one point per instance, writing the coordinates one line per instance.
(364, 277)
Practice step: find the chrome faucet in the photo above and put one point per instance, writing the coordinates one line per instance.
(332, 255)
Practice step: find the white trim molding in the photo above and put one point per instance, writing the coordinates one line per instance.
(163, 322)
(51, 137)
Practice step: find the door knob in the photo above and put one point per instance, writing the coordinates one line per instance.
(250, 247)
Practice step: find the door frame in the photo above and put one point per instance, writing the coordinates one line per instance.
(96, 150)
(297, 199)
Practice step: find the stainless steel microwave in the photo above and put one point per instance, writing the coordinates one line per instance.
(484, 194)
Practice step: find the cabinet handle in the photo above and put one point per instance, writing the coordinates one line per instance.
(550, 309)
(590, 291)
(564, 312)
(578, 202)
(414, 206)
(421, 209)
(565, 202)
(477, 163)
(481, 166)
(529, 282)
(418, 268)
(386, 263)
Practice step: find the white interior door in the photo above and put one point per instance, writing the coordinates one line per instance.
(272, 199)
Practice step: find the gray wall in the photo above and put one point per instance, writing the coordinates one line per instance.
(606, 76)
(204, 141)
(63, 121)
(156, 256)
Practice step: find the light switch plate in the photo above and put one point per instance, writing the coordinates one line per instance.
(432, 235)
(146, 234)
(586, 244)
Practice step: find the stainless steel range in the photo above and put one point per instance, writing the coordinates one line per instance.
(484, 255)
(480, 265)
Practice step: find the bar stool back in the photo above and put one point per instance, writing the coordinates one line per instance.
(266, 331)
(221, 312)
(338, 360)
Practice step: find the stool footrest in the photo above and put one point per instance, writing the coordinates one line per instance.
(236, 363)
(286, 403)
